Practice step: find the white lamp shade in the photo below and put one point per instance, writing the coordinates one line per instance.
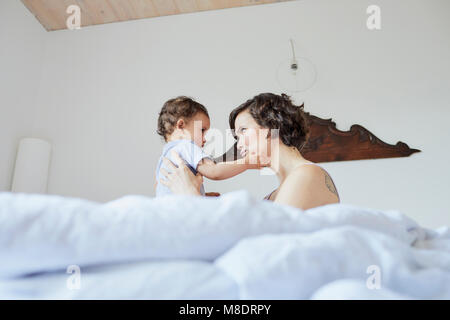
(32, 166)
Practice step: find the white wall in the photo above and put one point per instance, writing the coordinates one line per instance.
(21, 57)
(103, 86)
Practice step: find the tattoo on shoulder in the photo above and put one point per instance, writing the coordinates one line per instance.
(330, 185)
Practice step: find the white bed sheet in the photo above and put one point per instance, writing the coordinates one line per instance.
(190, 280)
(234, 246)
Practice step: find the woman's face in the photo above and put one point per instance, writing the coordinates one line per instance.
(252, 138)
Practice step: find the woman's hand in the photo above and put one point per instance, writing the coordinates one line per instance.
(181, 180)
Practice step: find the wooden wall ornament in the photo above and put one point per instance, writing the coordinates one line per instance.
(326, 144)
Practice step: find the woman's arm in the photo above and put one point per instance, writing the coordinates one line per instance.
(306, 188)
(180, 179)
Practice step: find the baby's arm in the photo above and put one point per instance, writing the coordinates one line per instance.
(223, 170)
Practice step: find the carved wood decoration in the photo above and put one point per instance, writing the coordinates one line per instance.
(326, 143)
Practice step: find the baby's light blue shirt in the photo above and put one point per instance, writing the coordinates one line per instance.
(188, 151)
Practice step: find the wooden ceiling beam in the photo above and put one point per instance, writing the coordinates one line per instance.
(52, 13)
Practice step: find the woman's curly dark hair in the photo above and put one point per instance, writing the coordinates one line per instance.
(174, 109)
(273, 111)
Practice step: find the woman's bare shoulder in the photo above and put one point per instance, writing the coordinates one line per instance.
(313, 178)
(306, 170)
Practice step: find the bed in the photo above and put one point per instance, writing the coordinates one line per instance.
(230, 247)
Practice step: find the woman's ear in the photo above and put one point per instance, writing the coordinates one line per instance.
(180, 124)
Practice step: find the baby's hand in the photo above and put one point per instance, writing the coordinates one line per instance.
(254, 161)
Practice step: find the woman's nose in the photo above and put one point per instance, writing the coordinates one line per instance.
(240, 145)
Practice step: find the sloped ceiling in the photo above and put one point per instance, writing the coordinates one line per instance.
(52, 14)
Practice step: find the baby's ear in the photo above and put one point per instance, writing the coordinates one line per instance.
(180, 123)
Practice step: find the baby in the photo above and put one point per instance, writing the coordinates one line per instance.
(183, 123)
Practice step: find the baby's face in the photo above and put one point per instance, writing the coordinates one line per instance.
(197, 127)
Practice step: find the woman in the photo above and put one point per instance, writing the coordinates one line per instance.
(273, 130)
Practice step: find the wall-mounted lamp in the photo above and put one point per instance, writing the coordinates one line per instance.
(296, 74)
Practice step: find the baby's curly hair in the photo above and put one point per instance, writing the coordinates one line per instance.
(273, 111)
(174, 109)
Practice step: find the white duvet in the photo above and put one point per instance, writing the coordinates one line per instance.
(231, 247)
